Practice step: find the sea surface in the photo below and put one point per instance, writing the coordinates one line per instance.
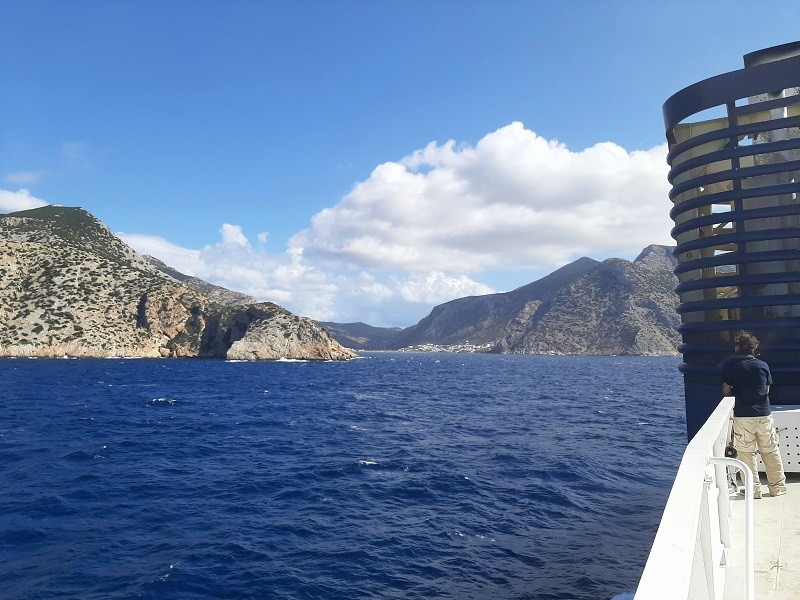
(395, 475)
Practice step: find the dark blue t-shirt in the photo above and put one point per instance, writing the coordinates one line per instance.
(749, 378)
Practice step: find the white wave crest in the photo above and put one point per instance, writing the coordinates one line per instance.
(170, 401)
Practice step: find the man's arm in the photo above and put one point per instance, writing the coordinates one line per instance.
(726, 389)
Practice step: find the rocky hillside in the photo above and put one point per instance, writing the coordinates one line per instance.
(586, 307)
(481, 320)
(69, 287)
(619, 307)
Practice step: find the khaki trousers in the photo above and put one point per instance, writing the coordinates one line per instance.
(757, 434)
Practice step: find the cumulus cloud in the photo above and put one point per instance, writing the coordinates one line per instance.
(232, 234)
(19, 200)
(436, 287)
(420, 231)
(294, 282)
(514, 200)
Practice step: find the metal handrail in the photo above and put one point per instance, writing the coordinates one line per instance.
(749, 534)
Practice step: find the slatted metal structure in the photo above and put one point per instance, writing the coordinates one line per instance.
(734, 156)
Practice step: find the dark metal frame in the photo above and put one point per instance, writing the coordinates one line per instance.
(750, 259)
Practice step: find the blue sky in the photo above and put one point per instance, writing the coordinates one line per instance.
(360, 159)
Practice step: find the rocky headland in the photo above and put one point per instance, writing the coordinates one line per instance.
(69, 287)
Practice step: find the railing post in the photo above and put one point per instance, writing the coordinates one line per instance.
(749, 544)
(723, 501)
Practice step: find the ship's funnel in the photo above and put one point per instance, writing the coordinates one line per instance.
(734, 156)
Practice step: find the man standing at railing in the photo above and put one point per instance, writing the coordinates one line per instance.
(748, 379)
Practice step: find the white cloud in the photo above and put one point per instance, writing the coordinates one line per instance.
(285, 278)
(416, 231)
(232, 234)
(436, 287)
(19, 200)
(185, 260)
(291, 280)
(398, 299)
(514, 200)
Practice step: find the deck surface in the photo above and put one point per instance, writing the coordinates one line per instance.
(777, 541)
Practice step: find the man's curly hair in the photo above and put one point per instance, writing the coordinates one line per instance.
(746, 341)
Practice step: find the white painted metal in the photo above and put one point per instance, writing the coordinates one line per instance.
(787, 422)
(749, 519)
(689, 555)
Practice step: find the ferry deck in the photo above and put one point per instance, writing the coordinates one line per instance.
(777, 545)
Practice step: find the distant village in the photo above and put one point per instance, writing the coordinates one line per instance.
(464, 348)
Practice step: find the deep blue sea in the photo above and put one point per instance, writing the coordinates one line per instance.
(396, 475)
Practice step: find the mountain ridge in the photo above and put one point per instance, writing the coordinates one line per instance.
(613, 306)
(480, 320)
(69, 287)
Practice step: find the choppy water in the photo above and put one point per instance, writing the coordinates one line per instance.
(392, 476)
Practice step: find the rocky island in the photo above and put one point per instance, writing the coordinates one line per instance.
(69, 287)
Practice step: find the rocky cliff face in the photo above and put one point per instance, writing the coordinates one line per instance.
(69, 287)
(619, 307)
(481, 320)
(266, 331)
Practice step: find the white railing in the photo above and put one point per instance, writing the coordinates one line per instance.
(689, 554)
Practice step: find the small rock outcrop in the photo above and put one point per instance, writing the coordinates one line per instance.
(274, 333)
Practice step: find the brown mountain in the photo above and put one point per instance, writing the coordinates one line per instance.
(619, 307)
(69, 287)
(481, 320)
